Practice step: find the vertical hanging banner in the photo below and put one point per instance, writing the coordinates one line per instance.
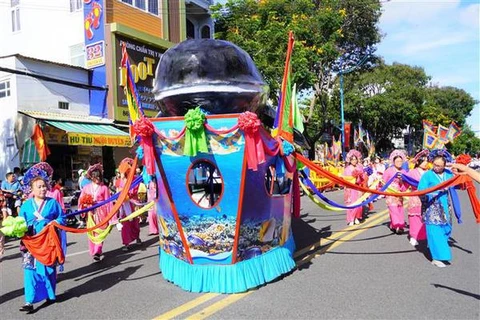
(346, 131)
(94, 32)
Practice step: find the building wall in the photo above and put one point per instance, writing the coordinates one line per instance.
(47, 30)
(132, 17)
(40, 95)
(9, 156)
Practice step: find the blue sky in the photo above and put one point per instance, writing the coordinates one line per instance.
(442, 36)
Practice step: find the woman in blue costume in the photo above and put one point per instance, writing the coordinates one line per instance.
(38, 211)
(437, 211)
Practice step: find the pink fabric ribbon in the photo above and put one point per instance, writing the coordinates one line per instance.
(249, 123)
(145, 129)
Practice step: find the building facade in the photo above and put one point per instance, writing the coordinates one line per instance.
(83, 41)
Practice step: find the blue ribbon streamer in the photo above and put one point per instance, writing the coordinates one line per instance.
(97, 205)
(335, 204)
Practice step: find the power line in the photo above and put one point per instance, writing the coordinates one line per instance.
(55, 80)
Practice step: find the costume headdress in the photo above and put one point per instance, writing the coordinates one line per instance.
(423, 153)
(440, 152)
(95, 167)
(41, 169)
(125, 165)
(353, 153)
(397, 153)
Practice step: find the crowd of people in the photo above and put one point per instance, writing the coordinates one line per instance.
(38, 199)
(429, 217)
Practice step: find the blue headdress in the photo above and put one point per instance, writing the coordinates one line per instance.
(440, 152)
(42, 170)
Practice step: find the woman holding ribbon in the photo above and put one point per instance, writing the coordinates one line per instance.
(416, 227)
(353, 173)
(38, 211)
(437, 213)
(93, 193)
(130, 228)
(395, 204)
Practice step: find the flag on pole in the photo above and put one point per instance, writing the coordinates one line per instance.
(453, 131)
(40, 144)
(427, 125)
(284, 118)
(133, 101)
(442, 133)
(429, 139)
(297, 114)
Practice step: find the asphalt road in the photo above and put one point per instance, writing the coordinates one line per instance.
(359, 272)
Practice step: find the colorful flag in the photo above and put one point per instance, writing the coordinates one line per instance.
(297, 114)
(347, 126)
(453, 131)
(133, 101)
(368, 139)
(355, 137)
(442, 133)
(428, 125)
(429, 139)
(361, 133)
(40, 144)
(284, 119)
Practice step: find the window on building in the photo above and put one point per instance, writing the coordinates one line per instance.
(62, 105)
(75, 5)
(77, 55)
(15, 19)
(145, 5)
(190, 30)
(206, 32)
(4, 89)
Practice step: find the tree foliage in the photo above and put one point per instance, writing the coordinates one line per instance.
(467, 142)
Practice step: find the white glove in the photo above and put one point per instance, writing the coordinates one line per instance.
(119, 226)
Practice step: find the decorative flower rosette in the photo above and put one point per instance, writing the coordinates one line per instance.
(250, 124)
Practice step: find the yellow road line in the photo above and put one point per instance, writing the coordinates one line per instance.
(336, 235)
(335, 240)
(217, 306)
(187, 306)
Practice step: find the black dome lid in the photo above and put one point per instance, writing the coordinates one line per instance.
(213, 74)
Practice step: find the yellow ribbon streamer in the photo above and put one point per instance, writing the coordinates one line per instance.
(101, 234)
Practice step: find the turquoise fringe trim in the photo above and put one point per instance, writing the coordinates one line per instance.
(232, 278)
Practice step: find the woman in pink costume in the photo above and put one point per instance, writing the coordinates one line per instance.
(395, 204)
(93, 193)
(152, 213)
(417, 227)
(353, 173)
(130, 228)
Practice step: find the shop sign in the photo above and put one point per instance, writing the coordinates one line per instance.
(143, 63)
(56, 136)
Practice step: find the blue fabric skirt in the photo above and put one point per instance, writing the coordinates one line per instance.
(39, 287)
(232, 278)
(437, 237)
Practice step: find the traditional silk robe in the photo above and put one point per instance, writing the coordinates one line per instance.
(437, 215)
(395, 204)
(99, 193)
(41, 281)
(131, 228)
(357, 176)
(417, 228)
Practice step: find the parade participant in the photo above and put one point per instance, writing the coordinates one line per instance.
(437, 215)
(152, 213)
(395, 204)
(93, 193)
(130, 228)
(39, 211)
(354, 173)
(12, 187)
(5, 212)
(416, 227)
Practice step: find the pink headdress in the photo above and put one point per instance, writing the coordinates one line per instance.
(423, 153)
(398, 153)
(97, 166)
(353, 153)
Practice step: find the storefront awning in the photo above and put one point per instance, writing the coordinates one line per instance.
(85, 134)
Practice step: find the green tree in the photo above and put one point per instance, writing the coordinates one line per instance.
(446, 104)
(324, 31)
(386, 99)
(467, 142)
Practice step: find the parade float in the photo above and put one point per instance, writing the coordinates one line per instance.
(227, 186)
